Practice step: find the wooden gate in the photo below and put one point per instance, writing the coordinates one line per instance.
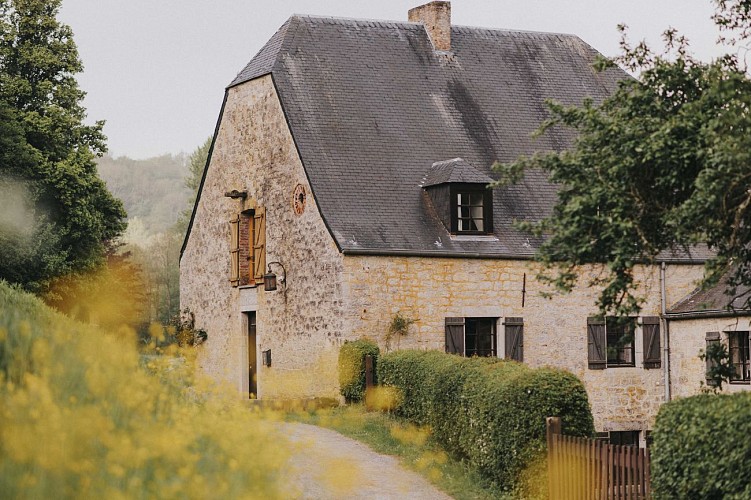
(581, 468)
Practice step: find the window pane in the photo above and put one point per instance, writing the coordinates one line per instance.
(739, 356)
(480, 337)
(620, 339)
(477, 217)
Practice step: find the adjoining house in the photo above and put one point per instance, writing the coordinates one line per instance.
(701, 319)
(349, 166)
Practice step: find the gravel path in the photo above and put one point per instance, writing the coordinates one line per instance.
(331, 466)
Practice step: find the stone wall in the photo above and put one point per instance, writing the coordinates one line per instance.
(555, 330)
(301, 322)
(687, 340)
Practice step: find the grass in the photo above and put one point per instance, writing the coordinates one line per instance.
(414, 447)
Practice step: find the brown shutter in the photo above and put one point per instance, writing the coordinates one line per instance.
(650, 326)
(455, 336)
(597, 349)
(259, 243)
(711, 337)
(234, 250)
(514, 336)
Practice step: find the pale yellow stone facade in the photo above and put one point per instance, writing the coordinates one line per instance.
(555, 329)
(330, 297)
(688, 339)
(301, 322)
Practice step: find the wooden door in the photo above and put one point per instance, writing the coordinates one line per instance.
(252, 357)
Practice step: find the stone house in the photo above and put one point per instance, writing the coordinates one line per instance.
(350, 161)
(702, 318)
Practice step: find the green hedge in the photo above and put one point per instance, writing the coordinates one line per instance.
(352, 367)
(702, 448)
(486, 411)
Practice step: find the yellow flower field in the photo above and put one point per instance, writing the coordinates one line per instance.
(83, 414)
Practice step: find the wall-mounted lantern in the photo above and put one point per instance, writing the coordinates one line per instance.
(266, 357)
(269, 279)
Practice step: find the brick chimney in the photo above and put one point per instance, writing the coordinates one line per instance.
(436, 16)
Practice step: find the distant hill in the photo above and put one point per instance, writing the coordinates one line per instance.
(153, 190)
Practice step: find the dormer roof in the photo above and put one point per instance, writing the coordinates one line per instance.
(455, 171)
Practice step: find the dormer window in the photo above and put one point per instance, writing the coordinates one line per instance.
(460, 197)
(473, 211)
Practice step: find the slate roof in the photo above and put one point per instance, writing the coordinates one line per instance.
(454, 171)
(714, 301)
(372, 107)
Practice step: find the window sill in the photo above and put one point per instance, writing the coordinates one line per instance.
(473, 237)
(740, 382)
(244, 287)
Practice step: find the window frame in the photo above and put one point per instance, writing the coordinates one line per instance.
(745, 353)
(611, 323)
(453, 323)
(457, 189)
(594, 351)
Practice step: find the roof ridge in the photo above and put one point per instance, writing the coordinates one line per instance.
(460, 27)
(355, 19)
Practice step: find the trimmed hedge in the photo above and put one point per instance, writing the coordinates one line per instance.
(352, 367)
(702, 447)
(487, 411)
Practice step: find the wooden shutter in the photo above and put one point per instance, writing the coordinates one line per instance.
(650, 326)
(455, 336)
(597, 349)
(259, 243)
(234, 250)
(514, 336)
(711, 337)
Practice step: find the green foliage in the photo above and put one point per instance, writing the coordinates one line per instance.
(82, 415)
(660, 166)
(486, 411)
(196, 165)
(151, 189)
(398, 327)
(721, 366)
(352, 367)
(701, 447)
(66, 215)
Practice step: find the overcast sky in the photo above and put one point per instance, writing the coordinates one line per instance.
(155, 70)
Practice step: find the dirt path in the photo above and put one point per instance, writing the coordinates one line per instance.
(331, 466)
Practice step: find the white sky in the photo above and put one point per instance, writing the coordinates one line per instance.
(155, 70)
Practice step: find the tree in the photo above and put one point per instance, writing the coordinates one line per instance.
(662, 165)
(196, 165)
(47, 152)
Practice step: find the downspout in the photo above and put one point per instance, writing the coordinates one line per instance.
(666, 330)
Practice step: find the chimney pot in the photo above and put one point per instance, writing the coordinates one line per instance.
(436, 16)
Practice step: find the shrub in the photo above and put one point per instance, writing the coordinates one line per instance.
(352, 367)
(82, 415)
(701, 446)
(486, 411)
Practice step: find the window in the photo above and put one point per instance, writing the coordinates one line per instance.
(610, 342)
(247, 247)
(739, 357)
(471, 209)
(622, 438)
(514, 338)
(471, 336)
